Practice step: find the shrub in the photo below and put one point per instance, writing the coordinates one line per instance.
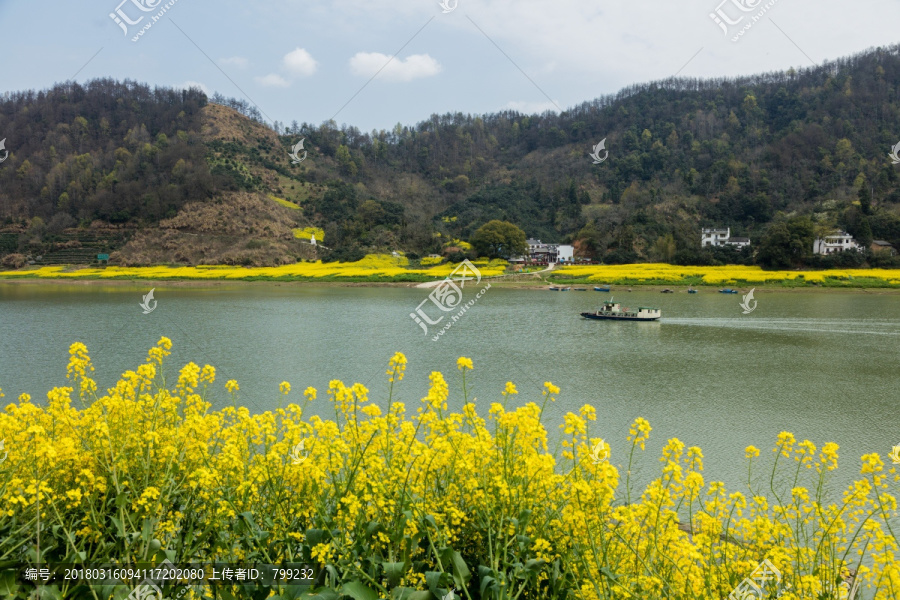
(14, 261)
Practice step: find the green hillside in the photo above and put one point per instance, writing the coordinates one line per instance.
(778, 157)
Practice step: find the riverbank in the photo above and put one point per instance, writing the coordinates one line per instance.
(381, 270)
(495, 283)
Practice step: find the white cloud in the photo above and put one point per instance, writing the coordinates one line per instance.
(235, 61)
(273, 80)
(530, 108)
(194, 84)
(299, 62)
(366, 64)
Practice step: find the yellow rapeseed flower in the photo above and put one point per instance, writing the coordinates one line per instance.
(464, 363)
(396, 367)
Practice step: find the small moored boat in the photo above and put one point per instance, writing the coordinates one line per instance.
(691, 290)
(668, 291)
(559, 289)
(601, 288)
(728, 291)
(613, 310)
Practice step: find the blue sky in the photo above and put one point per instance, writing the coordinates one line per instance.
(305, 59)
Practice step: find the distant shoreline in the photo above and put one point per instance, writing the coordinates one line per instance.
(494, 281)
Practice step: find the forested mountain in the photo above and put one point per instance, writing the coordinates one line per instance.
(774, 155)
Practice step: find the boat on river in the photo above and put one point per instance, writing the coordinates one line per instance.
(559, 289)
(728, 291)
(601, 288)
(614, 310)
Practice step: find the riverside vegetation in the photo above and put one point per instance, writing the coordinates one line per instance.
(387, 268)
(415, 502)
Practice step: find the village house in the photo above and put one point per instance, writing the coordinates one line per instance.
(881, 246)
(548, 253)
(839, 241)
(721, 237)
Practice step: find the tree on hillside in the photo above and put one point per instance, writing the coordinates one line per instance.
(664, 248)
(499, 239)
(865, 199)
(787, 243)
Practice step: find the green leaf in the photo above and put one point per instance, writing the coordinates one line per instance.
(358, 591)
(525, 517)
(50, 592)
(535, 564)
(486, 582)
(393, 571)
(433, 581)
(146, 530)
(406, 593)
(8, 585)
(461, 573)
(323, 594)
(223, 591)
(372, 527)
(315, 537)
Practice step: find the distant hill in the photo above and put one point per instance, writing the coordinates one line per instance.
(747, 153)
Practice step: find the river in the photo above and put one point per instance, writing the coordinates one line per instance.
(823, 365)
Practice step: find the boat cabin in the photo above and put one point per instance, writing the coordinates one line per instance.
(642, 312)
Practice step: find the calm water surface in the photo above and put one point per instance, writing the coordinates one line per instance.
(822, 365)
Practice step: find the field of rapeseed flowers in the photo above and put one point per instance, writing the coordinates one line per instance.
(412, 502)
(373, 267)
(661, 273)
